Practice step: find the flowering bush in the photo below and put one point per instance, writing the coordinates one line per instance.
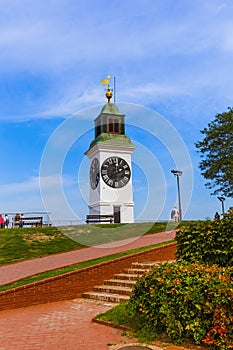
(191, 302)
(207, 242)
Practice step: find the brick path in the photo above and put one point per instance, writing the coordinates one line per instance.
(64, 325)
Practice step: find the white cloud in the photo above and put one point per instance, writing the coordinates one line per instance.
(26, 196)
(151, 91)
(71, 43)
(72, 102)
(21, 196)
(19, 188)
(48, 39)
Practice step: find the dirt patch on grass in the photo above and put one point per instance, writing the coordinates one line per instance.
(39, 237)
(76, 230)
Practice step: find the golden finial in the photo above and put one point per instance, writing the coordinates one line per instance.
(108, 94)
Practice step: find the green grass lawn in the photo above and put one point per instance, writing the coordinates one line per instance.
(100, 234)
(27, 243)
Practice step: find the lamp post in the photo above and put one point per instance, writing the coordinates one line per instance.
(222, 199)
(178, 173)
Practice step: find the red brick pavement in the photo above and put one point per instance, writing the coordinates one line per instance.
(65, 325)
(62, 325)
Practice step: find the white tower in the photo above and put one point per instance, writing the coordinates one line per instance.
(111, 192)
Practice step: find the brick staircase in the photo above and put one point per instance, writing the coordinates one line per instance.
(119, 288)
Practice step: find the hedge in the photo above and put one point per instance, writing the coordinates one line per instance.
(191, 302)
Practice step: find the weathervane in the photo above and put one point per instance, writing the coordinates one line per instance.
(109, 93)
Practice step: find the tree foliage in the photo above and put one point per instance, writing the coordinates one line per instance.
(217, 154)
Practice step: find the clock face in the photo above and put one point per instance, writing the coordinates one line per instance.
(115, 172)
(94, 173)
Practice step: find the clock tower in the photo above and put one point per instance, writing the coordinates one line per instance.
(111, 192)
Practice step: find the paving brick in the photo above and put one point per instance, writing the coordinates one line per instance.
(61, 325)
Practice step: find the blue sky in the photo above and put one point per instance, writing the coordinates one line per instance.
(172, 58)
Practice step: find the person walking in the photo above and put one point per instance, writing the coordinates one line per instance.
(175, 214)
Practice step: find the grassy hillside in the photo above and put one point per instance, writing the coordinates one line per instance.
(27, 243)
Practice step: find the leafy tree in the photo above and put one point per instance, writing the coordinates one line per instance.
(217, 154)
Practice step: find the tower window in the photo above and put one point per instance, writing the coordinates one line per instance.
(116, 125)
(113, 125)
(97, 129)
(110, 125)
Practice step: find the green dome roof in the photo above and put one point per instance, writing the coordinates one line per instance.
(112, 139)
(110, 108)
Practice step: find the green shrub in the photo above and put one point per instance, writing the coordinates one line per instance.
(207, 242)
(187, 302)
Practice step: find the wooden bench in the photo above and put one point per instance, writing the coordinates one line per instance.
(98, 219)
(36, 221)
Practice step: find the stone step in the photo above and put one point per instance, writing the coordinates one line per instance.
(119, 288)
(119, 282)
(113, 289)
(113, 298)
(150, 265)
(144, 265)
(136, 272)
(127, 276)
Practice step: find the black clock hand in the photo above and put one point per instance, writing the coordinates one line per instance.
(117, 165)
